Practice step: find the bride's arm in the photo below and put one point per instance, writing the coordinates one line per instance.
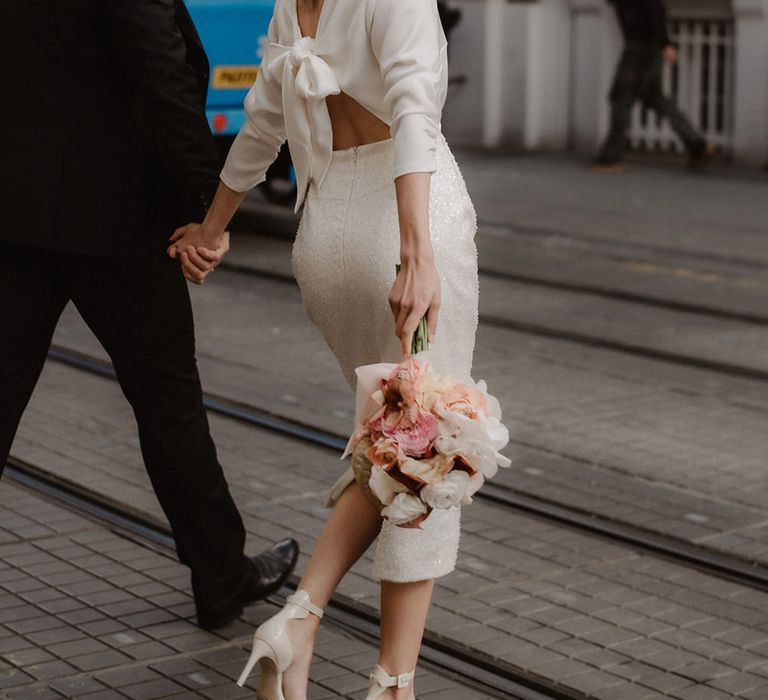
(416, 290)
(201, 245)
(407, 40)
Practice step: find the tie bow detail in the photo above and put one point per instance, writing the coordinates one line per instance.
(306, 80)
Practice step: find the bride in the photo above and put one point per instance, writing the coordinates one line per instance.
(357, 88)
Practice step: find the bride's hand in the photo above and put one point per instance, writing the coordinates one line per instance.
(416, 292)
(199, 251)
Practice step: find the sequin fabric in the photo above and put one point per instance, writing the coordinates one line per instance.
(344, 260)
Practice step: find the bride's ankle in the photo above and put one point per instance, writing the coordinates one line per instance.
(305, 629)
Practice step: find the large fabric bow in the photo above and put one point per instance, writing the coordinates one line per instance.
(306, 80)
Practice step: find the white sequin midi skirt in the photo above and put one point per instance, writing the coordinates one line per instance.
(344, 259)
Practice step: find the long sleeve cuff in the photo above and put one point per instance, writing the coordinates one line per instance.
(251, 146)
(415, 141)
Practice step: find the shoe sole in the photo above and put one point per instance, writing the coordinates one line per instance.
(209, 625)
(606, 168)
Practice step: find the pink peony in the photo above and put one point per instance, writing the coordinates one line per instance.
(403, 385)
(412, 429)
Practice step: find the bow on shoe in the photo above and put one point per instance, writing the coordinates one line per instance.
(307, 80)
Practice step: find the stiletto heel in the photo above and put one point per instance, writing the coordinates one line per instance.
(381, 681)
(272, 646)
(260, 651)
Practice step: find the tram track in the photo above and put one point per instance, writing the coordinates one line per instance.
(587, 339)
(671, 548)
(465, 665)
(629, 297)
(648, 253)
(649, 250)
(255, 213)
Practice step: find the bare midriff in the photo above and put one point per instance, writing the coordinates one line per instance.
(353, 125)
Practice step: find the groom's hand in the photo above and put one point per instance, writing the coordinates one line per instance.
(199, 252)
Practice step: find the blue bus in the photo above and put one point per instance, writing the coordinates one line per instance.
(234, 34)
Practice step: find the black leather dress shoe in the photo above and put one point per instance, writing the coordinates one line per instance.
(266, 574)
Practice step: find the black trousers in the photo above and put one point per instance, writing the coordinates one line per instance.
(141, 313)
(638, 78)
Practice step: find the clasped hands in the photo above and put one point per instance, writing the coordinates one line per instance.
(199, 251)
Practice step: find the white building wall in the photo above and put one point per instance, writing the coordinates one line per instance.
(595, 49)
(751, 81)
(512, 58)
(548, 57)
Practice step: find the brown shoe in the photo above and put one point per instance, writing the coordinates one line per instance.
(702, 158)
(603, 165)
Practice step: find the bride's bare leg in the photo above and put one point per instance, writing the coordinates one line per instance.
(351, 528)
(404, 608)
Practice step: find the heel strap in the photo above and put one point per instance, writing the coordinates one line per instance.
(382, 678)
(302, 600)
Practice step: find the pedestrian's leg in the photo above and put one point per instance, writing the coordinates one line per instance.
(141, 312)
(31, 301)
(622, 98)
(653, 97)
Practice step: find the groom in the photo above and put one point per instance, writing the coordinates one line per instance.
(105, 150)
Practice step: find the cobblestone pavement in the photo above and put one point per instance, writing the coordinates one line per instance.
(86, 613)
(649, 210)
(595, 617)
(680, 450)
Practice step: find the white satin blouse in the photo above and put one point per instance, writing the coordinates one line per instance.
(388, 55)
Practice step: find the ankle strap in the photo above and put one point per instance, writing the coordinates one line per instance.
(302, 600)
(384, 680)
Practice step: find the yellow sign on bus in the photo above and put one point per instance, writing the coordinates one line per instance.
(234, 77)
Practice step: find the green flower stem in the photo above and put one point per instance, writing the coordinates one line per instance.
(420, 341)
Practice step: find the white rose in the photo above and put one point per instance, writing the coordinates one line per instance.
(448, 492)
(404, 508)
(383, 486)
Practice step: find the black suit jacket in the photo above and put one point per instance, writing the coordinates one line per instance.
(104, 145)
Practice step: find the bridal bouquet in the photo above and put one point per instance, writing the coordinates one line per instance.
(423, 440)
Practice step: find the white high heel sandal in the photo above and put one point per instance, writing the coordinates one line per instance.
(381, 681)
(272, 647)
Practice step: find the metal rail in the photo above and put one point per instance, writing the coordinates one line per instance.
(588, 339)
(467, 666)
(255, 214)
(675, 549)
(743, 261)
(605, 292)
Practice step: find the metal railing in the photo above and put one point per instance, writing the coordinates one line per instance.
(701, 83)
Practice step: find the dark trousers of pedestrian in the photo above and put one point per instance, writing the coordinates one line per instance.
(638, 78)
(140, 311)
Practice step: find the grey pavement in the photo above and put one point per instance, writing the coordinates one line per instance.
(672, 448)
(590, 615)
(659, 443)
(86, 613)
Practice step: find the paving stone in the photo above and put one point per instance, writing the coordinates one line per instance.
(49, 670)
(704, 671)
(33, 694)
(134, 663)
(149, 690)
(701, 693)
(76, 686)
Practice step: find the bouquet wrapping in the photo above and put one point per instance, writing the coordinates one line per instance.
(423, 440)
